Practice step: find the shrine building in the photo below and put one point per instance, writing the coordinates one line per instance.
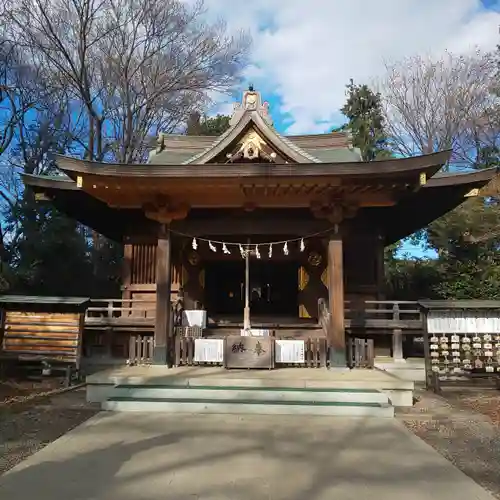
(257, 228)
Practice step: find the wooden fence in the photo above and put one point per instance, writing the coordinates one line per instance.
(360, 353)
(141, 352)
(106, 318)
(141, 349)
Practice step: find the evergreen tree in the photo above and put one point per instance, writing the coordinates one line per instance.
(366, 123)
(198, 125)
(48, 253)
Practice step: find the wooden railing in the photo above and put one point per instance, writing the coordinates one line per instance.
(130, 314)
(371, 314)
(380, 315)
(315, 354)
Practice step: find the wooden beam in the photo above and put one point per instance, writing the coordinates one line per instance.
(161, 353)
(268, 225)
(336, 299)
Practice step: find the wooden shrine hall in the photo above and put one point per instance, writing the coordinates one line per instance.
(257, 228)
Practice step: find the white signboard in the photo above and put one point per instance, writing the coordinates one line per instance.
(463, 322)
(209, 350)
(290, 351)
(194, 317)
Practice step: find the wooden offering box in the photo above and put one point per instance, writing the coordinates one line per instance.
(249, 352)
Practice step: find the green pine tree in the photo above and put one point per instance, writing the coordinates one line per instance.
(363, 110)
(198, 125)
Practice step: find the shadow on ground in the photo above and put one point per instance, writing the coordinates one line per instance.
(159, 456)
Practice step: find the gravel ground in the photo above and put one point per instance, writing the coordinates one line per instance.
(25, 430)
(486, 402)
(464, 428)
(16, 389)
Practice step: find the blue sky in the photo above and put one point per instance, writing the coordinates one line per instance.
(304, 53)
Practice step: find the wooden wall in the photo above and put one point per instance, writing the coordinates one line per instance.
(313, 277)
(139, 272)
(363, 266)
(363, 270)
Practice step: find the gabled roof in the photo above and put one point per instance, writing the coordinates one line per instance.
(249, 118)
(316, 148)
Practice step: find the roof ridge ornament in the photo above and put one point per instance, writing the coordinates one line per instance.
(251, 101)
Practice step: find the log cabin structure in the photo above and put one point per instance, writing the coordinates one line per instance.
(313, 217)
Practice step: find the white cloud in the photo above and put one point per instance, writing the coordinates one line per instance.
(314, 47)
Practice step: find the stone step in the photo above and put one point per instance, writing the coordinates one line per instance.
(404, 371)
(265, 394)
(242, 407)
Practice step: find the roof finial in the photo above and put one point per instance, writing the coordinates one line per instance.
(250, 87)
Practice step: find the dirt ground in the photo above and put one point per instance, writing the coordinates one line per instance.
(19, 388)
(463, 426)
(34, 412)
(486, 402)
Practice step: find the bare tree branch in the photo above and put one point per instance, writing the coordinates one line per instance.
(135, 67)
(431, 105)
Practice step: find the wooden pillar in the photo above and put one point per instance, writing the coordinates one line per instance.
(161, 353)
(127, 278)
(336, 298)
(380, 268)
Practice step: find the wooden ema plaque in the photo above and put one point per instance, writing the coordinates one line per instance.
(249, 352)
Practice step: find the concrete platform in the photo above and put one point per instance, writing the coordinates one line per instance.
(406, 369)
(133, 456)
(101, 385)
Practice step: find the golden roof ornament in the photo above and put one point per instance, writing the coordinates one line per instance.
(251, 101)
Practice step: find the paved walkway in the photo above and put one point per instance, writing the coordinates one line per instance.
(216, 457)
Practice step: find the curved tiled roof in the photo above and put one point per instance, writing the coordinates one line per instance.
(280, 142)
(316, 148)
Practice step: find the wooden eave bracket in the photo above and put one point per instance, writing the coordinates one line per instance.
(335, 211)
(164, 211)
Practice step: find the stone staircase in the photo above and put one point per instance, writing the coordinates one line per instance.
(252, 398)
